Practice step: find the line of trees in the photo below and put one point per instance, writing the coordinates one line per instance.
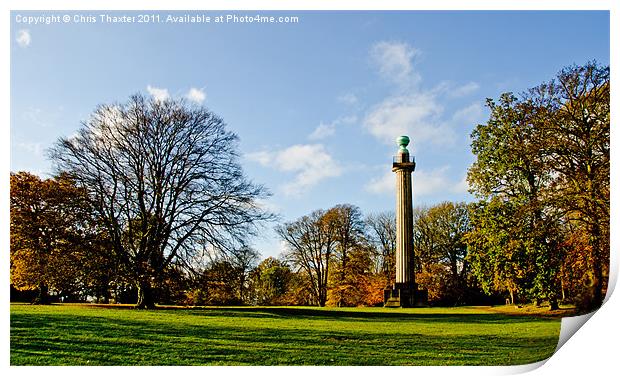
(335, 257)
(150, 205)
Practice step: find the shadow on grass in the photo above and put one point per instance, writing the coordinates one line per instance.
(350, 315)
(165, 339)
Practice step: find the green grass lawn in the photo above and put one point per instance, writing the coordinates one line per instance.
(88, 335)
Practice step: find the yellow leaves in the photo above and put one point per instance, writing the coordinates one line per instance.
(47, 226)
(25, 271)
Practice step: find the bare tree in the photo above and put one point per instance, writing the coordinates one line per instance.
(164, 177)
(244, 259)
(311, 241)
(382, 228)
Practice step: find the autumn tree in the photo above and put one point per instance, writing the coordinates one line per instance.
(164, 178)
(212, 285)
(362, 285)
(576, 272)
(441, 251)
(573, 113)
(331, 252)
(52, 232)
(349, 231)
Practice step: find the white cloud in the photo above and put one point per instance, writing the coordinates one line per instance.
(417, 114)
(413, 110)
(261, 157)
(462, 186)
(267, 204)
(310, 163)
(382, 184)
(469, 114)
(348, 98)
(158, 94)
(347, 119)
(434, 182)
(394, 60)
(23, 38)
(196, 95)
(325, 130)
(463, 90)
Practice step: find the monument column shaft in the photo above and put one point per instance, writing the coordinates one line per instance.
(404, 228)
(405, 292)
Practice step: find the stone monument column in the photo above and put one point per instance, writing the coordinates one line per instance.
(404, 293)
(403, 165)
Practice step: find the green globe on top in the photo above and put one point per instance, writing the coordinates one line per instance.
(403, 141)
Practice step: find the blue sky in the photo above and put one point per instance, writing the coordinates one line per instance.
(316, 104)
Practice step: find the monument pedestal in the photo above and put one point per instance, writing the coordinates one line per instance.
(405, 296)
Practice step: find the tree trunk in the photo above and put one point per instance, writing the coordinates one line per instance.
(241, 284)
(106, 297)
(343, 275)
(597, 283)
(553, 303)
(322, 296)
(43, 295)
(146, 299)
(103, 295)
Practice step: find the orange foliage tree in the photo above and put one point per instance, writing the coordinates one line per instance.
(48, 233)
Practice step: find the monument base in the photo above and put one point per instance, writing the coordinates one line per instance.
(405, 296)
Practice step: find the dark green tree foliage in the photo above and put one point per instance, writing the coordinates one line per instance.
(213, 285)
(511, 166)
(498, 259)
(543, 162)
(269, 282)
(174, 286)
